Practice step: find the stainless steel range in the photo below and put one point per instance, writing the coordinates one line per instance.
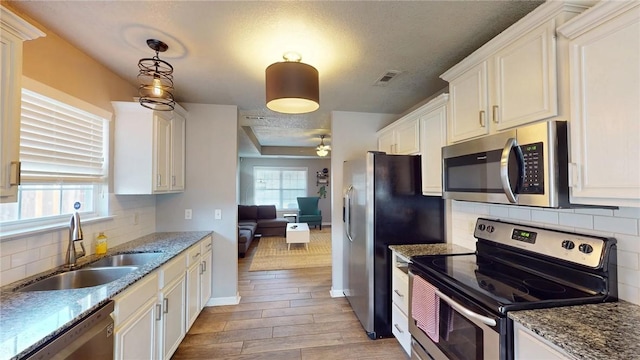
(461, 301)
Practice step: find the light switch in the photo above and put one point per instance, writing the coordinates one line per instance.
(187, 214)
(218, 214)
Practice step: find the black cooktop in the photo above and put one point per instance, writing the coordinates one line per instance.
(500, 286)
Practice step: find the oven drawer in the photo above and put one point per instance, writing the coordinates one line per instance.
(400, 328)
(400, 291)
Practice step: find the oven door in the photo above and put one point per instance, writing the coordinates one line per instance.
(467, 332)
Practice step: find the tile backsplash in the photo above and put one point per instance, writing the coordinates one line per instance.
(623, 224)
(20, 257)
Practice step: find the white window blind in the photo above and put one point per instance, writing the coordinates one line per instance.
(60, 143)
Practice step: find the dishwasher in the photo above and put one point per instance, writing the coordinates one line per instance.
(89, 338)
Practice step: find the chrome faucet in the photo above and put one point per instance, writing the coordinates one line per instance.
(75, 234)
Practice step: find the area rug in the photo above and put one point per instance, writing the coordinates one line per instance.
(272, 253)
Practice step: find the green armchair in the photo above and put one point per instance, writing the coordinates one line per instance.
(309, 212)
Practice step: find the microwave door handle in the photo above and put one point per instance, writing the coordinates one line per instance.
(463, 310)
(504, 168)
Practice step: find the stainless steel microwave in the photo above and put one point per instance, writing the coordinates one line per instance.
(524, 166)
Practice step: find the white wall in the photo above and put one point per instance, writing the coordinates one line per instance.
(352, 135)
(210, 183)
(133, 217)
(313, 165)
(623, 224)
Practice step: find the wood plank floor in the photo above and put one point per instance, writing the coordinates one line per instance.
(283, 315)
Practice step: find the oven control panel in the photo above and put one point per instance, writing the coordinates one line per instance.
(576, 248)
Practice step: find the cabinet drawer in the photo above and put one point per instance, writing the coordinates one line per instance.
(172, 270)
(206, 244)
(193, 254)
(400, 291)
(130, 300)
(400, 328)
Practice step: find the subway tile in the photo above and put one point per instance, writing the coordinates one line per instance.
(629, 277)
(629, 293)
(39, 266)
(628, 243)
(594, 211)
(5, 263)
(24, 257)
(520, 213)
(50, 250)
(546, 217)
(616, 224)
(629, 260)
(39, 240)
(576, 220)
(499, 211)
(627, 212)
(13, 246)
(12, 275)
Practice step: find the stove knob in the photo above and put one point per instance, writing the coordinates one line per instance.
(481, 227)
(490, 228)
(568, 244)
(585, 248)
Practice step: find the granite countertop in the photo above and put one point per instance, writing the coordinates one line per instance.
(409, 251)
(29, 319)
(605, 331)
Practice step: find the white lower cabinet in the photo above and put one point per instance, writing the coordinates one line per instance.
(530, 346)
(400, 301)
(153, 316)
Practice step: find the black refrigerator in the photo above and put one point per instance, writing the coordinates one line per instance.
(383, 205)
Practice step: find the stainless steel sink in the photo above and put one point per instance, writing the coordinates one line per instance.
(80, 278)
(126, 259)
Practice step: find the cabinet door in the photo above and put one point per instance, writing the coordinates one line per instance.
(177, 152)
(386, 142)
(605, 130)
(205, 280)
(161, 152)
(136, 338)
(173, 317)
(529, 346)
(408, 137)
(193, 292)
(433, 136)
(468, 98)
(524, 79)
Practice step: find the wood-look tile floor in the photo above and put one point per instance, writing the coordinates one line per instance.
(283, 315)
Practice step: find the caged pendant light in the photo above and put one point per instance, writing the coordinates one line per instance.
(156, 80)
(292, 87)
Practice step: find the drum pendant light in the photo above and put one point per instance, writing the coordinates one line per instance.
(156, 80)
(292, 86)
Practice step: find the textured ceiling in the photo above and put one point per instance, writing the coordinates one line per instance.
(219, 50)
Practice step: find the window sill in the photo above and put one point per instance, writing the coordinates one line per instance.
(12, 234)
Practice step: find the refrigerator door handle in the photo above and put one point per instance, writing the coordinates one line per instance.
(348, 212)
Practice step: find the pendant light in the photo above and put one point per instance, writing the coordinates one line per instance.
(292, 87)
(156, 80)
(322, 149)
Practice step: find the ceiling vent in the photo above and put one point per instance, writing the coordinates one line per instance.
(386, 78)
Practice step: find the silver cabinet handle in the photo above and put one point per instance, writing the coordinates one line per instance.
(504, 168)
(398, 293)
(481, 118)
(158, 180)
(165, 303)
(204, 266)
(496, 113)
(158, 312)
(486, 320)
(173, 180)
(398, 328)
(196, 256)
(209, 246)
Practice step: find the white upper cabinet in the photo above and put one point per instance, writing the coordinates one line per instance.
(433, 137)
(605, 104)
(13, 32)
(469, 104)
(402, 137)
(149, 149)
(513, 79)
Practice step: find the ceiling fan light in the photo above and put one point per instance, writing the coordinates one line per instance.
(322, 152)
(292, 87)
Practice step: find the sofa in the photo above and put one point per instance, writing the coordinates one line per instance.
(258, 220)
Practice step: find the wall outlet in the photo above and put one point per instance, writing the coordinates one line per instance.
(187, 214)
(218, 214)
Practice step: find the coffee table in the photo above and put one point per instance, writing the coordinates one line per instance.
(297, 233)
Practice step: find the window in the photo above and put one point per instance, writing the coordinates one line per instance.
(279, 186)
(63, 152)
